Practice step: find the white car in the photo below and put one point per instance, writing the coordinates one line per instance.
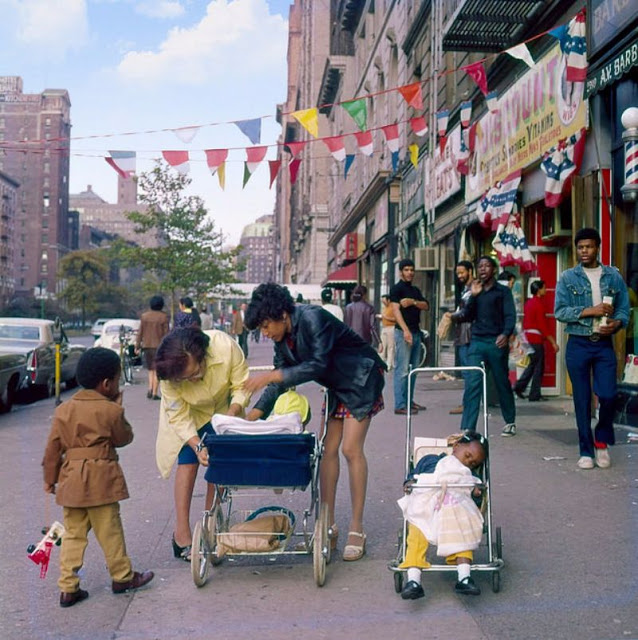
(96, 329)
(110, 335)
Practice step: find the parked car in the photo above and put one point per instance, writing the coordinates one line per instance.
(12, 371)
(96, 329)
(110, 336)
(34, 339)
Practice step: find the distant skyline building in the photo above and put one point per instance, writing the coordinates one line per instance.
(8, 199)
(258, 251)
(34, 151)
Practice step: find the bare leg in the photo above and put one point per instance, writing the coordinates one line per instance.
(354, 435)
(184, 484)
(153, 382)
(329, 469)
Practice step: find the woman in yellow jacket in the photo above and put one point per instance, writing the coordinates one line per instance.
(201, 373)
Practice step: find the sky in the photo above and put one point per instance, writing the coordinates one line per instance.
(132, 66)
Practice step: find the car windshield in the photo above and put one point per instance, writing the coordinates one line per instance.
(16, 332)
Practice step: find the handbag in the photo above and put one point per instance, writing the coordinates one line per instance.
(443, 330)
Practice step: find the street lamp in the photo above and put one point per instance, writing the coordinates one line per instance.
(629, 120)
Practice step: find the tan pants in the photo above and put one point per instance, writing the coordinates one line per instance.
(417, 548)
(107, 526)
(387, 341)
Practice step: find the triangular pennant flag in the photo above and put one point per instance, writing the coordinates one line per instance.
(178, 160)
(391, 133)
(293, 167)
(336, 147)
(247, 174)
(476, 71)
(492, 101)
(364, 141)
(186, 134)
(295, 148)
(442, 118)
(309, 120)
(348, 164)
(273, 166)
(215, 158)
(466, 113)
(254, 155)
(575, 47)
(358, 111)
(442, 143)
(521, 52)
(395, 160)
(123, 162)
(419, 126)
(412, 95)
(414, 155)
(560, 33)
(251, 129)
(221, 175)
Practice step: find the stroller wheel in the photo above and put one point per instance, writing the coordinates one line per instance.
(496, 581)
(200, 561)
(398, 581)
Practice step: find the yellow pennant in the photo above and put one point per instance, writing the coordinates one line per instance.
(414, 154)
(309, 120)
(221, 175)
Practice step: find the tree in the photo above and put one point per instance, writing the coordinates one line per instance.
(190, 257)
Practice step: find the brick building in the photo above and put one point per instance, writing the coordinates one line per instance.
(8, 198)
(258, 251)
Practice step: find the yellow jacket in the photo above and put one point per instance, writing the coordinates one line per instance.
(188, 406)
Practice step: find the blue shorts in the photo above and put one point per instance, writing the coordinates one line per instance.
(186, 454)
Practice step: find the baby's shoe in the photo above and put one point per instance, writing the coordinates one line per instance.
(412, 591)
(467, 587)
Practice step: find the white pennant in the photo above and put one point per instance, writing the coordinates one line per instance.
(521, 52)
(186, 134)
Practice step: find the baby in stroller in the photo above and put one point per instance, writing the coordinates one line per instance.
(446, 517)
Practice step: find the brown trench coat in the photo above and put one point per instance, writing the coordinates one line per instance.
(80, 454)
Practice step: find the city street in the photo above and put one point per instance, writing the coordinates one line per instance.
(569, 537)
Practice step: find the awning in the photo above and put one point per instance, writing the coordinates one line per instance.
(341, 278)
(605, 74)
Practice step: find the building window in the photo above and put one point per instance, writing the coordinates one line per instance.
(44, 268)
(47, 122)
(46, 167)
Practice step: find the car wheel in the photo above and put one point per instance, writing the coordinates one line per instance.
(8, 396)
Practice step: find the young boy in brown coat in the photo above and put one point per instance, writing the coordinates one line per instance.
(80, 459)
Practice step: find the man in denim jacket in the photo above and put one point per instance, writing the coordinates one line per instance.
(592, 301)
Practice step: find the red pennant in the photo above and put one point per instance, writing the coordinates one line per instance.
(175, 158)
(274, 166)
(255, 154)
(214, 157)
(293, 166)
(442, 143)
(296, 147)
(476, 71)
(412, 95)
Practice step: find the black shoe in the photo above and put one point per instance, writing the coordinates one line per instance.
(183, 553)
(149, 394)
(69, 599)
(138, 580)
(467, 587)
(519, 394)
(418, 407)
(412, 591)
(540, 399)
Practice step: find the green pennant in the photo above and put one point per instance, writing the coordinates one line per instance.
(358, 111)
(247, 175)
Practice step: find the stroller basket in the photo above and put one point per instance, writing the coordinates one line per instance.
(261, 460)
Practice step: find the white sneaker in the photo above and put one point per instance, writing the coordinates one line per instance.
(585, 462)
(509, 430)
(603, 459)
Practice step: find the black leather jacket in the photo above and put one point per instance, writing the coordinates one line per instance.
(330, 353)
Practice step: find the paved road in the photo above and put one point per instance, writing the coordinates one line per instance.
(569, 544)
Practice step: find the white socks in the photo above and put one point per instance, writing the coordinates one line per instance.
(463, 571)
(414, 575)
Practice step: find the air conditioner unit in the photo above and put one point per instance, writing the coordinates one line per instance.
(426, 259)
(556, 222)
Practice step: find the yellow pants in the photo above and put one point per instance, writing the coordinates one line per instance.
(417, 548)
(107, 526)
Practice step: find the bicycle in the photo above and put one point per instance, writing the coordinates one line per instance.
(126, 376)
(423, 347)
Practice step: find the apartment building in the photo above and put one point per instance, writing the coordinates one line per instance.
(8, 199)
(258, 251)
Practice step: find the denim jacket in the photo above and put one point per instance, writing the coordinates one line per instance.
(573, 294)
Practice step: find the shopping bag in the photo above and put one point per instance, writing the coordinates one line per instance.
(443, 330)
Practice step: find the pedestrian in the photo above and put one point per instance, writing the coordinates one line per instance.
(312, 345)
(239, 330)
(328, 305)
(463, 330)
(187, 315)
(154, 325)
(536, 331)
(360, 317)
(507, 279)
(445, 517)
(490, 309)
(206, 319)
(81, 468)
(200, 374)
(593, 302)
(407, 304)
(388, 322)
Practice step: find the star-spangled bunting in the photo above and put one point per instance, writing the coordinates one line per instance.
(496, 205)
(364, 141)
(419, 126)
(476, 71)
(574, 46)
(273, 167)
(466, 113)
(348, 163)
(511, 245)
(309, 120)
(560, 164)
(123, 162)
(295, 147)
(293, 167)
(412, 95)
(251, 129)
(358, 111)
(178, 160)
(336, 147)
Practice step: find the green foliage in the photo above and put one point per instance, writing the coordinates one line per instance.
(85, 274)
(189, 257)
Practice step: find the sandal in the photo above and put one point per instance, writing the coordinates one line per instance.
(352, 552)
(182, 553)
(333, 536)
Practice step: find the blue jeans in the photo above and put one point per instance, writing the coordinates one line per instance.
(582, 357)
(405, 356)
(464, 356)
(495, 359)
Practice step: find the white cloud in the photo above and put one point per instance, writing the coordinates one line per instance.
(233, 37)
(54, 26)
(160, 9)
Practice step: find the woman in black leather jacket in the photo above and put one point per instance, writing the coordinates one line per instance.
(311, 344)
